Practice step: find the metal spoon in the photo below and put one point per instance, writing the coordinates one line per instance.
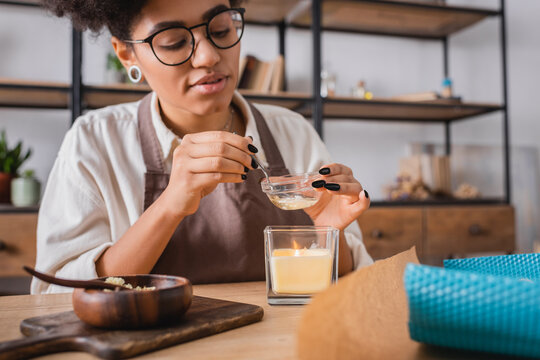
(262, 168)
(86, 284)
(265, 172)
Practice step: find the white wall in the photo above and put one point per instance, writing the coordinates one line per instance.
(37, 46)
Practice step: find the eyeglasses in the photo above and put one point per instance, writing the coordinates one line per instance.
(175, 45)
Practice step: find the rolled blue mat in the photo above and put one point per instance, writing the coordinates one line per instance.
(517, 266)
(473, 310)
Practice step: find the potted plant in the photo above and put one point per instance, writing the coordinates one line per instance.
(25, 190)
(11, 160)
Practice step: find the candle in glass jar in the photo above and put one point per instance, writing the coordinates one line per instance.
(300, 271)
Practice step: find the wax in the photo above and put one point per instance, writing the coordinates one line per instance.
(300, 271)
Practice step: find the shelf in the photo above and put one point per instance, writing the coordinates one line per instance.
(32, 94)
(299, 102)
(31, 3)
(395, 18)
(392, 110)
(440, 202)
(98, 96)
(8, 208)
(272, 12)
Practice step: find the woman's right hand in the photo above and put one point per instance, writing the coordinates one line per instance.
(200, 163)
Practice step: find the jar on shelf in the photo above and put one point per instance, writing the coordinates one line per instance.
(360, 90)
(446, 88)
(328, 84)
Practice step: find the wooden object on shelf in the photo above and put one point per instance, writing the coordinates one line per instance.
(438, 232)
(420, 96)
(396, 17)
(432, 170)
(17, 243)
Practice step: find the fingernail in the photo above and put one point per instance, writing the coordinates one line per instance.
(253, 149)
(246, 169)
(318, 183)
(324, 171)
(244, 177)
(333, 187)
(251, 137)
(366, 193)
(254, 164)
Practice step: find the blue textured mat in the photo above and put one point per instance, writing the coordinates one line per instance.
(518, 266)
(486, 304)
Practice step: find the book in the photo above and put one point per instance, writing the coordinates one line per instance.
(278, 75)
(248, 73)
(421, 96)
(261, 76)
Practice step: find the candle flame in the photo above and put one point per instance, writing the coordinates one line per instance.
(295, 245)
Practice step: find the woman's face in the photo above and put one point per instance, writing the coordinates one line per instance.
(205, 83)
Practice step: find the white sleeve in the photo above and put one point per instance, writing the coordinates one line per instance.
(73, 226)
(353, 235)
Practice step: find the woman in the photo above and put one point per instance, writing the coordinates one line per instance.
(167, 184)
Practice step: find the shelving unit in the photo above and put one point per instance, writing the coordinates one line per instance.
(421, 20)
(439, 228)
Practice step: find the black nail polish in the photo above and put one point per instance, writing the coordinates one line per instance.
(366, 193)
(253, 149)
(244, 177)
(318, 183)
(333, 187)
(324, 171)
(251, 137)
(246, 169)
(254, 164)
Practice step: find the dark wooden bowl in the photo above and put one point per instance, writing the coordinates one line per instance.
(132, 309)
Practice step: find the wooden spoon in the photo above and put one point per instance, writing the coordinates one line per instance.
(86, 284)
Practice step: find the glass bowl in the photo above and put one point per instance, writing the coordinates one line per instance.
(292, 192)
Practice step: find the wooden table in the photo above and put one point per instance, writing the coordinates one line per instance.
(272, 338)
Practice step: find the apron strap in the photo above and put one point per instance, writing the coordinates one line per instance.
(151, 150)
(273, 155)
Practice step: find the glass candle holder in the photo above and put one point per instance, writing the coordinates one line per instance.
(300, 261)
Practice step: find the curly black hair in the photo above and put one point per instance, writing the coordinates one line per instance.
(117, 15)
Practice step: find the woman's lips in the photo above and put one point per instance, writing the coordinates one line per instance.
(212, 86)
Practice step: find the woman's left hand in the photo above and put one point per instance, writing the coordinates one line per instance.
(342, 200)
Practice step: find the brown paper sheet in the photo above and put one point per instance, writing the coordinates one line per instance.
(365, 316)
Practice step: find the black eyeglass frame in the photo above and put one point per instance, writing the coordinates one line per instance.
(150, 38)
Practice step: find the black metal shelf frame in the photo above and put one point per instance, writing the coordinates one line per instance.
(316, 29)
(77, 87)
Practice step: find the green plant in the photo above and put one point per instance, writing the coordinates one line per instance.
(28, 173)
(113, 63)
(11, 159)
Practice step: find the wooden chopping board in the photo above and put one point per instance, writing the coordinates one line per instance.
(65, 332)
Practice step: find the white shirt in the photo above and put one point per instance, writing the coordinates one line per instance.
(95, 190)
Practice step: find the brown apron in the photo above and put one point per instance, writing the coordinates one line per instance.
(223, 241)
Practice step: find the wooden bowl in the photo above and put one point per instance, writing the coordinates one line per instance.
(133, 309)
